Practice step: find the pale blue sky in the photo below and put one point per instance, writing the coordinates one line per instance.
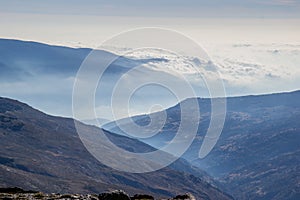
(158, 8)
(89, 22)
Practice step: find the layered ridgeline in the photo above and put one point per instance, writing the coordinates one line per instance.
(44, 153)
(258, 153)
(43, 75)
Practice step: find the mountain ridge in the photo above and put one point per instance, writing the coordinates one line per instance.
(258, 130)
(44, 152)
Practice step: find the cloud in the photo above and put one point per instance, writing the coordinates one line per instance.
(245, 69)
(259, 68)
(271, 76)
(241, 45)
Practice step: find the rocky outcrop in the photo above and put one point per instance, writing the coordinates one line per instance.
(142, 196)
(115, 195)
(187, 196)
(18, 193)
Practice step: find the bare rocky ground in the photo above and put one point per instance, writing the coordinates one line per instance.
(17, 193)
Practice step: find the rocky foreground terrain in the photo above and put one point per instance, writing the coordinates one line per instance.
(17, 193)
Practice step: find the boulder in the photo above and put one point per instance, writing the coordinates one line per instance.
(114, 195)
(187, 196)
(142, 196)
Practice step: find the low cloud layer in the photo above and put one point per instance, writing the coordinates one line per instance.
(44, 78)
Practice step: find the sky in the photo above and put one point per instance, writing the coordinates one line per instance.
(90, 22)
(254, 43)
(158, 8)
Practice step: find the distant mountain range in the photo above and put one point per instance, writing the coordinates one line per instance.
(44, 153)
(43, 75)
(258, 153)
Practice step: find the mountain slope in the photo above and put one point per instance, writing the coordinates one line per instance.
(259, 145)
(42, 152)
(43, 75)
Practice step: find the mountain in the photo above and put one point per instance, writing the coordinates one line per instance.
(257, 155)
(96, 122)
(44, 153)
(44, 75)
(26, 59)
